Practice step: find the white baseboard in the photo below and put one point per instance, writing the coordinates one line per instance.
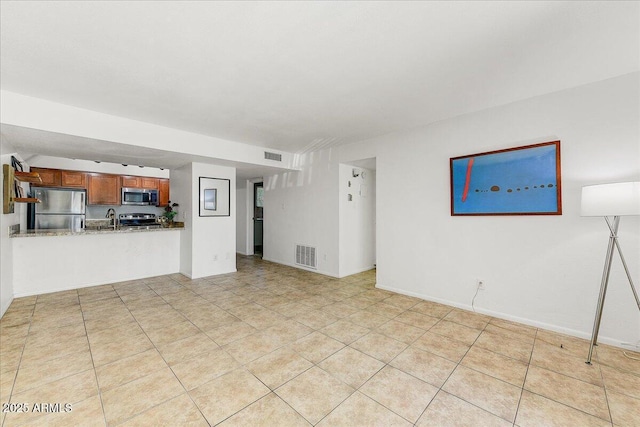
(299, 267)
(5, 306)
(358, 270)
(504, 316)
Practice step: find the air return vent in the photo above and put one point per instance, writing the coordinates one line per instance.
(306, 256)
(273, 156)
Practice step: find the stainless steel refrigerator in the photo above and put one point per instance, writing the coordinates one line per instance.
(59, 208)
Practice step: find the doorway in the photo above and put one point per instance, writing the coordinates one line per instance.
(258, 218)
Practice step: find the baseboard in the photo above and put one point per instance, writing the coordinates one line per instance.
(504, 316)
(88, 285)
(299, 267)
(5, 307)
(358, 271)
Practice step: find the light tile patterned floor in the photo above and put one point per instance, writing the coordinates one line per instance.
(276, 346)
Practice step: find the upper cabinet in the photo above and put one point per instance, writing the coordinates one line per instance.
(73, 179)
(150, 183)
(103, 189)
(139, 182)
(163, 192)
(49, 177)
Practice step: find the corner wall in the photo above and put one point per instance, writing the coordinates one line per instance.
(302, 208)
(6, 249)
(208, 244)
(540, 270)
(357, 219)
(242, 216)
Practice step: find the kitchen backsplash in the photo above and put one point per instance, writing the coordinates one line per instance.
(100, 212)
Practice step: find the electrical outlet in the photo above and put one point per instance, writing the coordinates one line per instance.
(480, 284)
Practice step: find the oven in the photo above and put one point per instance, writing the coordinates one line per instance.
(132, 221)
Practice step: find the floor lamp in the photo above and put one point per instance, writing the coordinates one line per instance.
(610, 201)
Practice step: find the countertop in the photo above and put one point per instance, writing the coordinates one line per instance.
(65, 232)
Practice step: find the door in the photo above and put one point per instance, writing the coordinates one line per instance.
(258, 223)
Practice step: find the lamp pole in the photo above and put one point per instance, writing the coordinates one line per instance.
(604, 283)
(610, 201)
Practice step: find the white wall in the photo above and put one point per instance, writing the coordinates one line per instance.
(242, 217)
(357, 219)
(208, 246)
(302, 208)
(6, 251)
(181, 185)
(55, 263)
(36, 113)
(89, 166)
(540, 270)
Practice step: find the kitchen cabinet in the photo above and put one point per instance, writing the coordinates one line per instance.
(163, 192)
(139, 182)
(49, 177)
(147, 182)
(130, 181)
(103, 189)
(73, 179)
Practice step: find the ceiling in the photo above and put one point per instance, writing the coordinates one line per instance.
(299, 76)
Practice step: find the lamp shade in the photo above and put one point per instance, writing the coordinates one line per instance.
(621, 198)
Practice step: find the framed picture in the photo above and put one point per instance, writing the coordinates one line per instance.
(215, 197)
(516, 181)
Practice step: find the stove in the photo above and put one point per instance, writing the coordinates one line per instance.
(138, 220)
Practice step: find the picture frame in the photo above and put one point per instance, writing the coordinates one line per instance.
(214, 196)
(523, 180)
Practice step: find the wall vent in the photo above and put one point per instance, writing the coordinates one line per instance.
(306, 256)
(273, 156)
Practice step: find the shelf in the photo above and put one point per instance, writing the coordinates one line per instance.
(10, 178)
(25, 200)
(31, 177)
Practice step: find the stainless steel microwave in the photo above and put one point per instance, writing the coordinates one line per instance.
(139, 196)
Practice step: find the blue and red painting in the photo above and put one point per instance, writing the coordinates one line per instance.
(518, 181)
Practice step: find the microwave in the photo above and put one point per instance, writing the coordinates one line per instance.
(139, 196)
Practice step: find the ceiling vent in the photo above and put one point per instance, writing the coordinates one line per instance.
(273, 156)
(306, 256)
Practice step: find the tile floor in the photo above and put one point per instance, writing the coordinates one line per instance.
(275, 346)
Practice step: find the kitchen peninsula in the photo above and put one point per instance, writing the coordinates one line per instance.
(57, 260)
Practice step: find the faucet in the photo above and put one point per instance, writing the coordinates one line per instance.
(111, 214)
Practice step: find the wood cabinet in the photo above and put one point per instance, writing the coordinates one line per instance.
(163, 192)
(130, 181)
(147, 182)
(139, 182)
(49, 177)
(73, 179)
(103, 189)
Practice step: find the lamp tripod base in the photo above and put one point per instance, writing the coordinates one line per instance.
(613, 245)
